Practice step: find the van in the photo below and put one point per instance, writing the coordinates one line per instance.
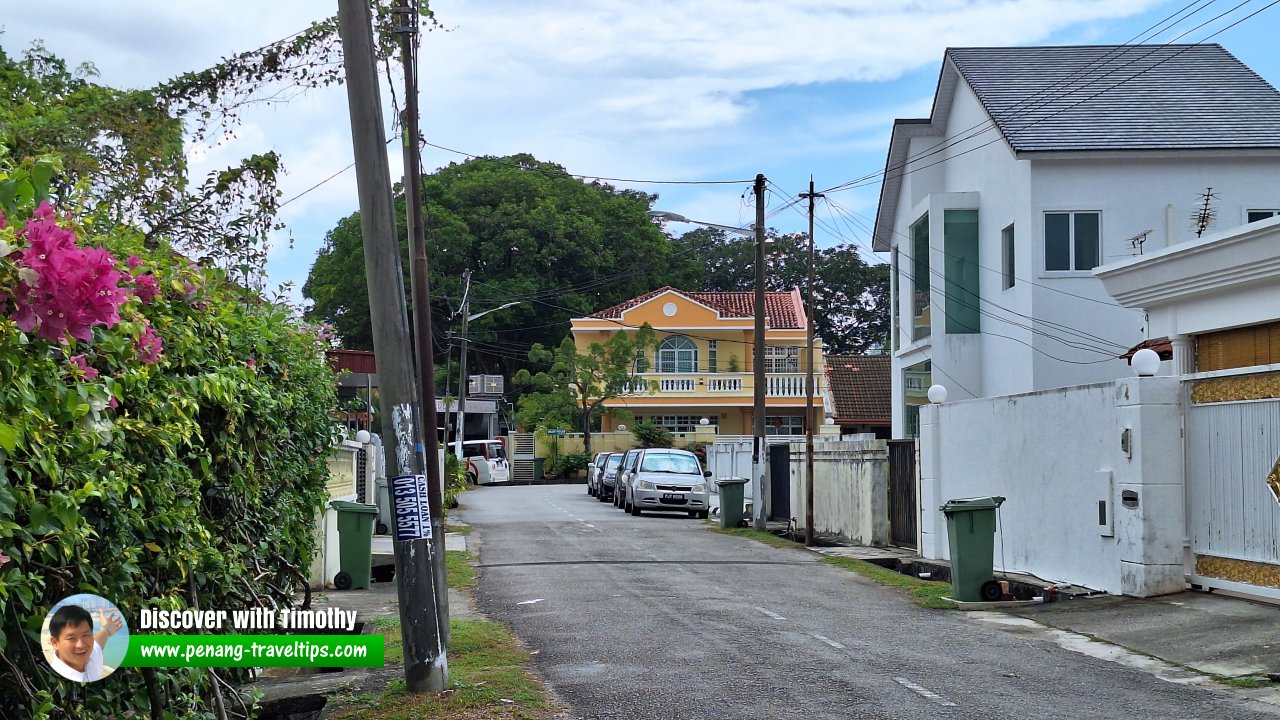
(486, 462)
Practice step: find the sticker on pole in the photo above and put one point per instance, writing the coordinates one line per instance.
(409, 508)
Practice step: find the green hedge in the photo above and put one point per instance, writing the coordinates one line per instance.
(143, 477)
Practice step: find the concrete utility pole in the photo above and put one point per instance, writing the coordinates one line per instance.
(420, 287)
(426, 667)
(758, 447)
(460, 431)
(808, 385)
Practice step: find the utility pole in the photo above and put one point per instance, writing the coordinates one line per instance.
(808, 385)
(758, 447)
(420, 287)
(426, 666)
(462, 366)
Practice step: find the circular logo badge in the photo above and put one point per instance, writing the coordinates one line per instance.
(84, 637)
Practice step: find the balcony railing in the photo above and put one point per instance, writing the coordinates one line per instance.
(789, 385)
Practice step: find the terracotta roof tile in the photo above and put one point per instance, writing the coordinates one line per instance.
(860, 387)
(1162, 346)
(783, 309)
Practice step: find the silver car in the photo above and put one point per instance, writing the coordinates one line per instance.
(594, 470)
(668, 479)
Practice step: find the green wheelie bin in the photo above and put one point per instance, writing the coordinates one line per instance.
(355, 544)
(731, 496)
(971, 528)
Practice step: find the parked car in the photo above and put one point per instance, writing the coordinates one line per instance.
(625, 469)
(594, 468)
(608, 476)
(486, 462)
(667, 479)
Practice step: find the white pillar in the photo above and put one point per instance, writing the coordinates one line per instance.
(933, 530)
(1183, 355)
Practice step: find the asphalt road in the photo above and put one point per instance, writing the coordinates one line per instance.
(657, 617)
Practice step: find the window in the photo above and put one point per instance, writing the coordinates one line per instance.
(711, 356)
(1238, 347)
(1006, 241)
(915, 382)
(676, 423)
(960, 279)
(1071, 241)
(670, 462)
(1256, 215)
(677, 354)
(781, 358)
(895, 287)
(642, 363)
(783, 425)
(920, 278)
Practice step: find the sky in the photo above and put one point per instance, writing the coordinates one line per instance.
(663, 90)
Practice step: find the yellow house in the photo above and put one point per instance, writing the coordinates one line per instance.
(702, 365)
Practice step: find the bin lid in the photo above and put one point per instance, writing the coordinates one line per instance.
(732, 481)
(353, 507)
(958, 505)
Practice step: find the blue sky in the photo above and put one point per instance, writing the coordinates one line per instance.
(666, 90)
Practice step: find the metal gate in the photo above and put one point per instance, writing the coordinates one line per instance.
(903, 508)
(779, 481)
(1232, 468)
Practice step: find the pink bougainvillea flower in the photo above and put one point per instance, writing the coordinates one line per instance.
(4, 221)
(146, 287)
(133, 262)
(251, 363)
(44, 211)
(88, 372)
(149, 346)
(4, 559)
(112, 402)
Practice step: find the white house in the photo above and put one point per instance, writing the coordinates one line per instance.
(1037, 165)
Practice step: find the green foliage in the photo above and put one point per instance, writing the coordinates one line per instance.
(527, 229)
(581, 381)
(196, 479)
(698, 448)
(552, 442)
(574, 462)
(851, 297)
(652, 436)
(455, 479)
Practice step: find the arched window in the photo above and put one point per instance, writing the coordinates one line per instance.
(677, 354)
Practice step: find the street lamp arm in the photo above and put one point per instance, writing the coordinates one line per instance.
(677, 217)
(486, 312)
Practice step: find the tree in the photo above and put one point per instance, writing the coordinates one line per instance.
(851, 297)
(585, 380)
(528, 231)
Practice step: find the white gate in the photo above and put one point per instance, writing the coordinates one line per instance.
(1233, 517)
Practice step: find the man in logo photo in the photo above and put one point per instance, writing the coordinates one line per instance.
(77, 650)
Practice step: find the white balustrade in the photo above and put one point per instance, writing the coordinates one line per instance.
(724, 384)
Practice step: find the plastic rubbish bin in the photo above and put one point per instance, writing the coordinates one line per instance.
(355, 544)
(971, 528)
(731, 492)
(538, 468)
(382, 499)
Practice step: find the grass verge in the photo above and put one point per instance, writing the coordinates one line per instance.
(459, 529)
(1249, 682)
(925, 593)
(458, 568)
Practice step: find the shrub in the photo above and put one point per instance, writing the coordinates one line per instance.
(652, 436)
(164, 448)
(574, 462)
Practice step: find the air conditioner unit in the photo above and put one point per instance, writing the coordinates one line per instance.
(485, 385)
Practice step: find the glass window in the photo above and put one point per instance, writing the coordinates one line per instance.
(711, 356)
(920, 277)
(783, 425)
(1006, 241)
(1072, 241)
(677, 354)
(1256, 215)
(642, 363)
(782, 358)
(960, 281)
(671, 463)
(612, 462)
(915, 382)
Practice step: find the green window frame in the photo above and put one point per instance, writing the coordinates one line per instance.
(920, 278)
(960, 277)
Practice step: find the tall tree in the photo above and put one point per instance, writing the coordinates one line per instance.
(528, 231)
(587, 379)
(851, 312)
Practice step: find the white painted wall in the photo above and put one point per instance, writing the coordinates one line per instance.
(1050, 453)
(850, 489)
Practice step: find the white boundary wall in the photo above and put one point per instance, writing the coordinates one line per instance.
(850, 489)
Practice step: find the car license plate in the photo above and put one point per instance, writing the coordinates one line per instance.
(672, 496)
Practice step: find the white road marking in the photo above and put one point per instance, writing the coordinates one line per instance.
(593, 527)
(771, 614)
(923, 692)
(530, 602)
(830, 642)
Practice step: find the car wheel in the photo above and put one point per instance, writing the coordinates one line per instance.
(634, 509)
(600, 495)
(704, 514)
(693, 513)
(590, 490)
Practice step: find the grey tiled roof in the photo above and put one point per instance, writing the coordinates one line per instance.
(1109, 97)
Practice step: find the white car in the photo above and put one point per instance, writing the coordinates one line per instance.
(486, 462)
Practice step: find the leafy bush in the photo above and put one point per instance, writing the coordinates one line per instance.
(455, 479)
(652, 436)
(163, 446)
(574, 462)
(697, 448)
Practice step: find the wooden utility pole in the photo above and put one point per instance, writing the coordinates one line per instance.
(809, 385)
(426, 667)
(420, 287)
(758, 446)
(460, 432)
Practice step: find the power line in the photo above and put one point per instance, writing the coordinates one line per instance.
(492, 159)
